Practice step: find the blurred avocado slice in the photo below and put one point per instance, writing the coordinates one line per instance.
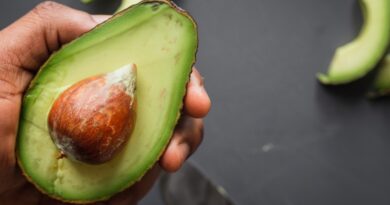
(157, 36)
(87, 1)
(126, 3)
(355, 59)
(381, 85)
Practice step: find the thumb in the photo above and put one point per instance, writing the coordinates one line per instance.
(24, 46)
(30, 40)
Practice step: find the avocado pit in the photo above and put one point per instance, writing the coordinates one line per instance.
(92, 119)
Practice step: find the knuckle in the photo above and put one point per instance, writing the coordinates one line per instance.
(46, 8)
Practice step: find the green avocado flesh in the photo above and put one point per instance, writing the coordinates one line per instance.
(162, 41)
(355, 59)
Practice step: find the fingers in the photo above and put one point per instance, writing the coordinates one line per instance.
(187, 137)
(189, 132)
(197, 102)
(30, 40)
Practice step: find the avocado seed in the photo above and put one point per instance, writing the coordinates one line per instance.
(92, 120)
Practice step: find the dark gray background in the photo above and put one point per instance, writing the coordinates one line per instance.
(274, 135)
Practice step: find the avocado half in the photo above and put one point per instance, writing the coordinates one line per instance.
(161, 39)
(355, 59)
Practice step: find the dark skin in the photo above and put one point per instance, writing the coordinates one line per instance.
(24, 47)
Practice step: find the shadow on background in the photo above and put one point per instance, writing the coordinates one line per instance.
(351, 91)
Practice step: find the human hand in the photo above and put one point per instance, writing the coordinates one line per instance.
(24, 47)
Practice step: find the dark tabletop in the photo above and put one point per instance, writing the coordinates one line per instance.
(274, 135)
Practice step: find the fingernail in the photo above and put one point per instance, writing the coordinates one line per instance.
(196, 77)
(199, 84)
